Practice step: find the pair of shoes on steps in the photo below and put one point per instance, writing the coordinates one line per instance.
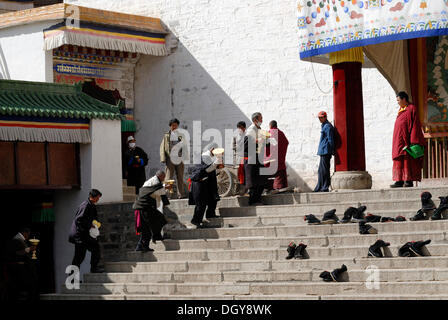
(296, 251)
(437, 215)
(353, 214)
(366, 228)
(401, 184)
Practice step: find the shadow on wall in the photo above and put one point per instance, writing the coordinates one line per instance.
(179, 86)
(4, 72)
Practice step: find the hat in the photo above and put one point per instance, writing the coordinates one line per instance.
(322, 114)
(130, 138)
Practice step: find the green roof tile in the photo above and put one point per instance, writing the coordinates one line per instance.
(24, 98)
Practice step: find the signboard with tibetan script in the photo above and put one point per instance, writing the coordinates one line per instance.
(332, 25)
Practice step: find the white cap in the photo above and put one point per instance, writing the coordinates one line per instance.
(130, 138)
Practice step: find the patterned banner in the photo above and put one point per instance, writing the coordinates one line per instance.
(105, 37)
(332, 25)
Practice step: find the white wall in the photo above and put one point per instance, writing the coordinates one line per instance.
(106, 159)
(100, 169)
(236, 57)
(22, 56)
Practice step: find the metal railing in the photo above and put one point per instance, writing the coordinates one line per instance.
(435, 162)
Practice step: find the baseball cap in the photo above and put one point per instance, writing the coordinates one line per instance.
(322, 114)
(130, 138)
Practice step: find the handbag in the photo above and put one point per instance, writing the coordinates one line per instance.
(415, 151)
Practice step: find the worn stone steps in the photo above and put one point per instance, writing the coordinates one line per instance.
(277, 265)
(434, 249)
(416, 274)
(273, 288)
(312, 241)
(294, 231)
(245, 297)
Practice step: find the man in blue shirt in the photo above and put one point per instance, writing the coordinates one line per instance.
(325, 151)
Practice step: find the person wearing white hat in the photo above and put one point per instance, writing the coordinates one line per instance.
(325, 151)
(135, 160)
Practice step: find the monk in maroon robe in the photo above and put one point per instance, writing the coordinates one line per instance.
(277, 152)
(407, 131)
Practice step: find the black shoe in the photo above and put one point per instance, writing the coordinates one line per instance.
(408, 184)
(416, 247)
(330, 217)
(420, 215)
(373, 218)
(291, 250)
(404, 250)
(398, 184)
(97, 270)
(334, 276)
(300, 251)
(348, 214)
(359, 216)
(375, 249)
(366, 228)
(311, 218)
(387, 219)
(400, 219)
(437, 215)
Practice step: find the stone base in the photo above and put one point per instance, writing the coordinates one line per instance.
(351, 180)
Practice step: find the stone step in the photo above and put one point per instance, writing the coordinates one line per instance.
(277, 288)
(354, 196)
(294, 231)
(244, 297)
(320, 208)
(285, 219)
(312, 241)
(390, 275)
(277, 265)
(269, 253)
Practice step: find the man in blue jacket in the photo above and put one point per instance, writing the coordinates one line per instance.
(325, 151)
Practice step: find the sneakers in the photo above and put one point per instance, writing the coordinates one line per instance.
(358, 215)
(375, 249)
(404, 250)
(348, 214)
(400, 219)
(416, 247)
(291, 250)
(311, 218)
(330, 217)
(420, 215)
(366, 228)
(373, 218)
(335, 275)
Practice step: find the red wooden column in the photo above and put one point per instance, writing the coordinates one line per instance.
(350, 160)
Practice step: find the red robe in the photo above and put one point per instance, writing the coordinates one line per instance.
(281, 148)
(407, 131)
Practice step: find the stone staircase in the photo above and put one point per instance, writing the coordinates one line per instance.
(242, 254)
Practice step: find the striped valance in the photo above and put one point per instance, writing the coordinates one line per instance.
(30, 129)
(105, 37)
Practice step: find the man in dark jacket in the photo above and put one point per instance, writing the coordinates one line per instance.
(21, 272)
(148, 211)
(204, 186)
(135, 160)
(80, 233)
(325, 151)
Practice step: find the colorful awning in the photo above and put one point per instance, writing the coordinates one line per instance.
(333, 25)
(105, 37)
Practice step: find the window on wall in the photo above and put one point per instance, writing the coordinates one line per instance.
(39, 165)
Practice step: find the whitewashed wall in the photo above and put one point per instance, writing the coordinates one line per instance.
(236, 57)
(21, 53)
